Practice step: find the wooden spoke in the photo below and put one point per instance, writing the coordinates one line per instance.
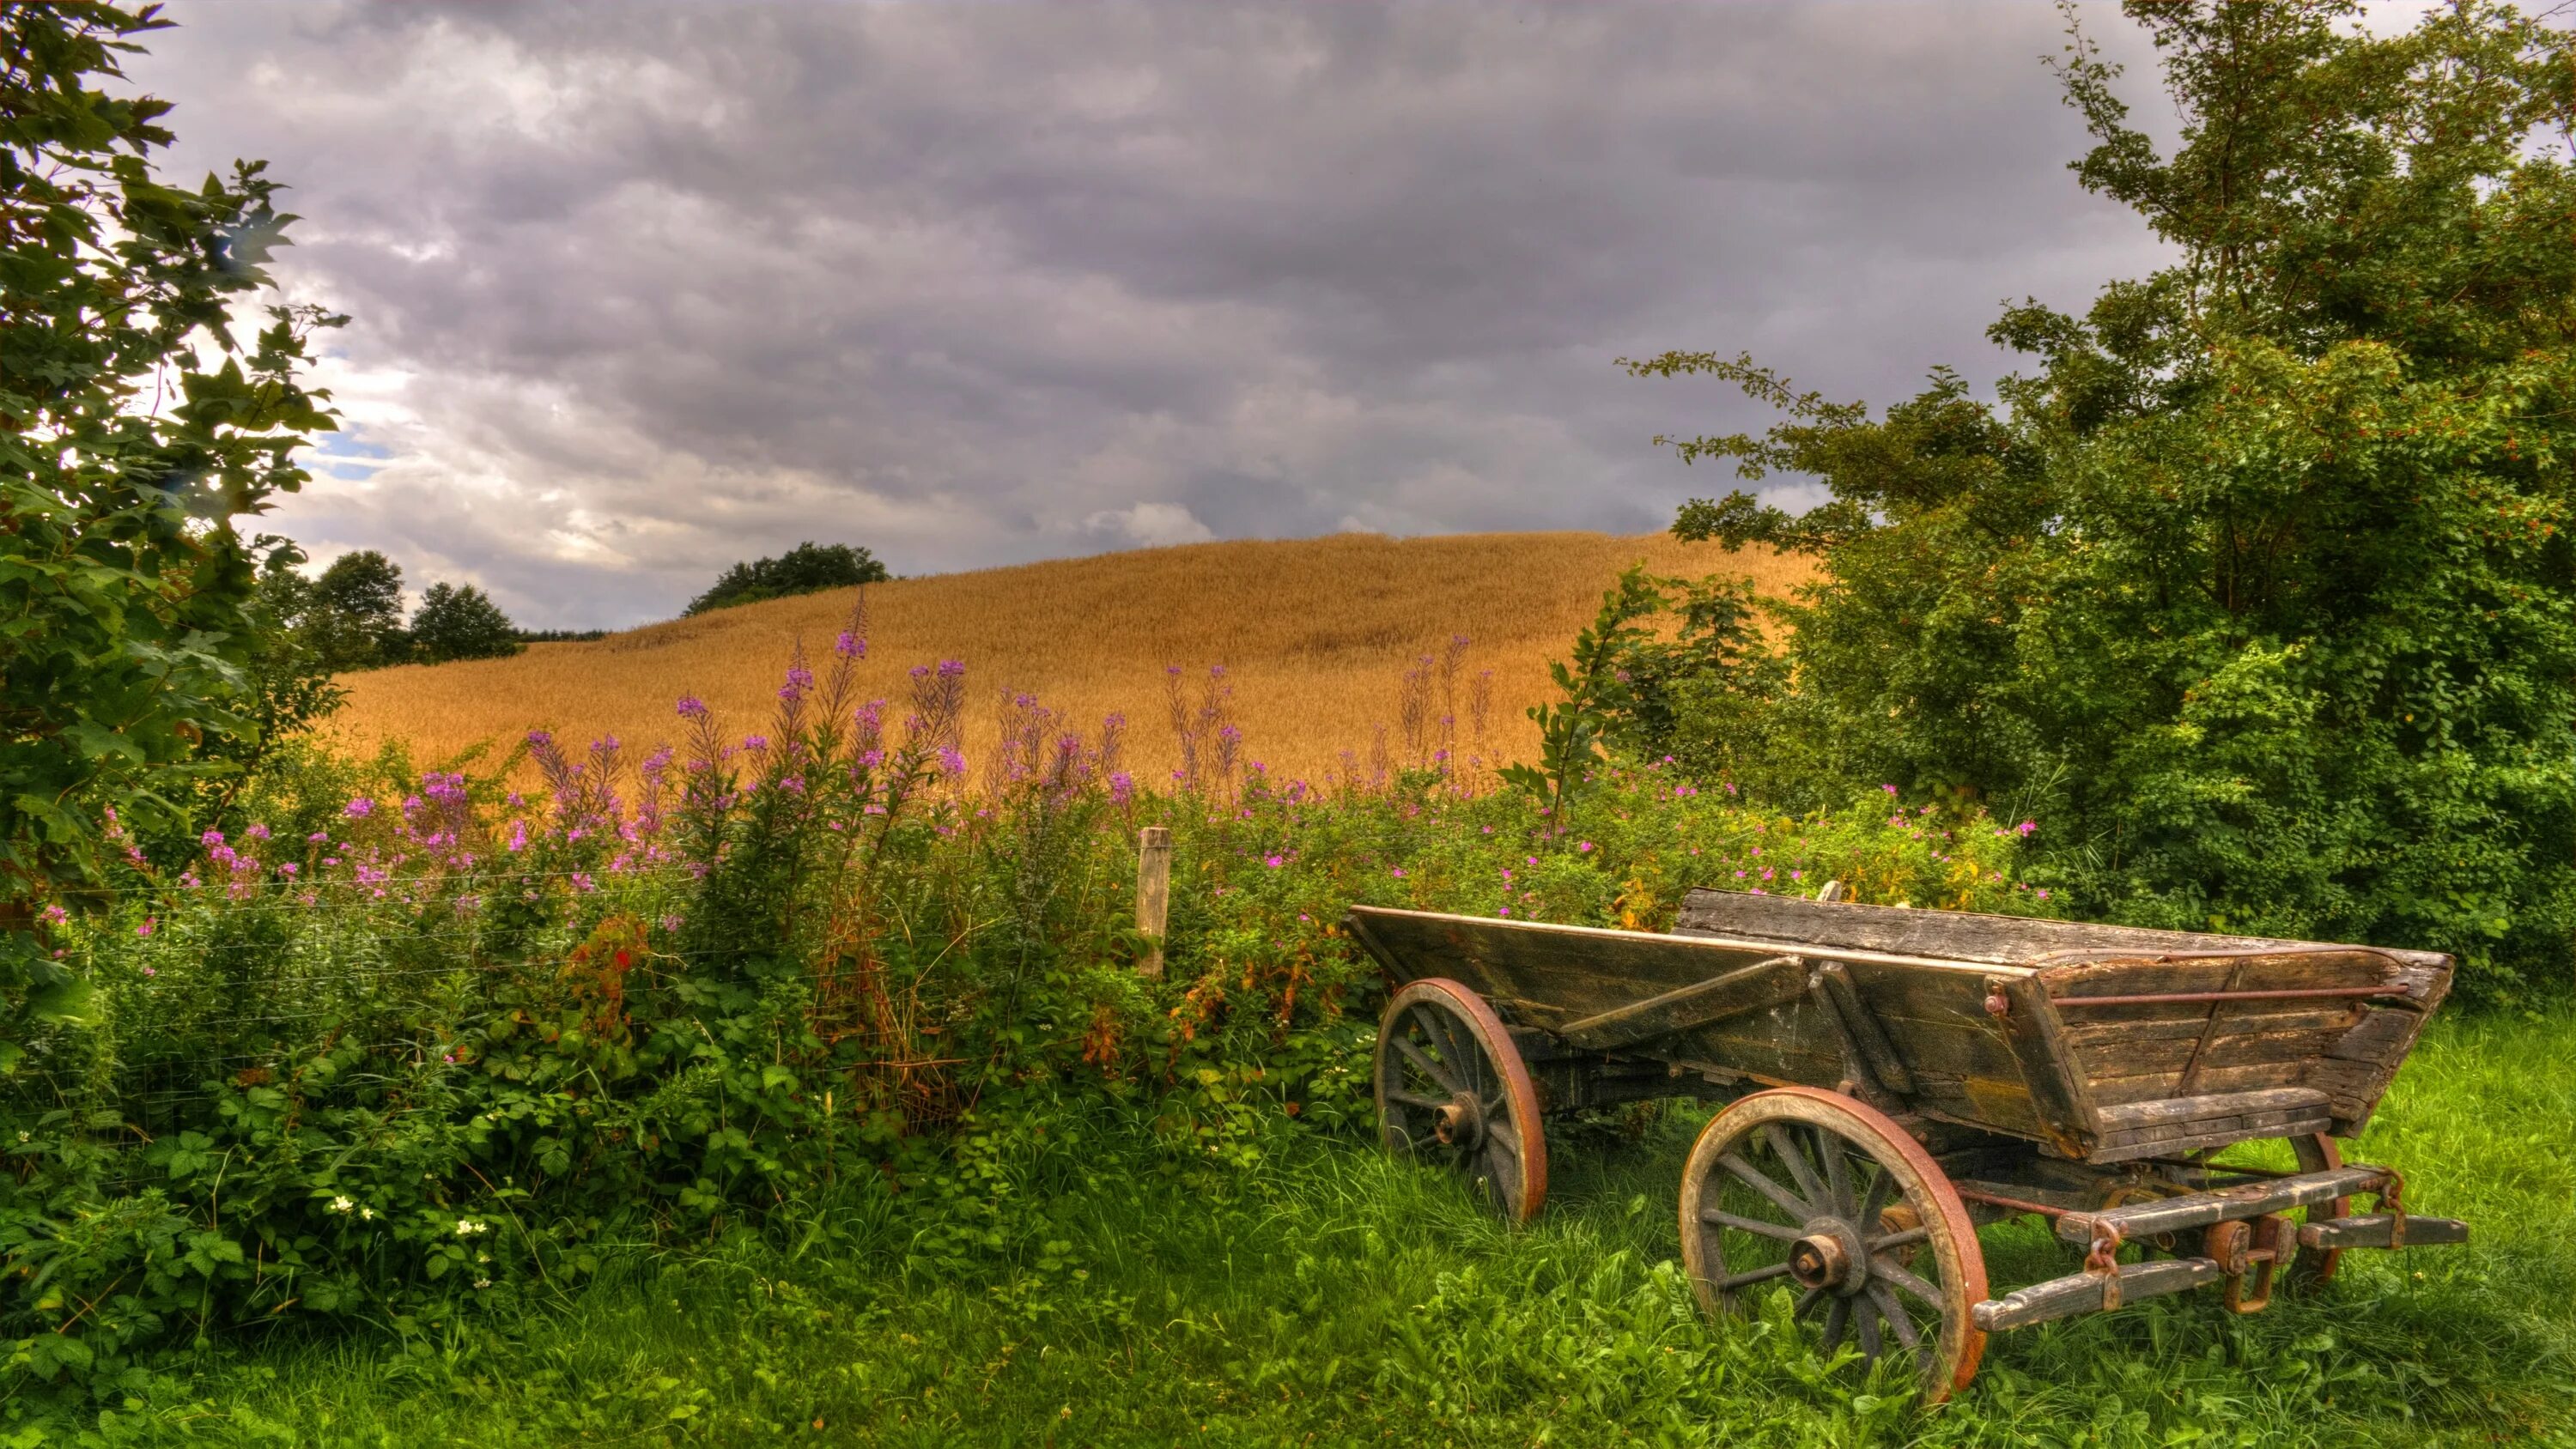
(1438, 1043)
(1876, 1203)
(1785, 1144)
(1756, 1275)
(1431, 1069)
(1435, 1032)
(1893, 1310)
(1780, 1197)
(1904, 1278)
(1838, 1184)
(1782, 1231)
(1915, 1280)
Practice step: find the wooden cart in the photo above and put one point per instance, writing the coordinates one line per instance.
(1899, 1078)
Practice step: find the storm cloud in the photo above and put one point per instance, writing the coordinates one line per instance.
(642, 290)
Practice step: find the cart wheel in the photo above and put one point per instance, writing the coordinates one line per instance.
(1451, 1090)
(1826, 1197)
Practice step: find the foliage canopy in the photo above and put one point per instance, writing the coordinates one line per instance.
(138, 427)
(808, 568)
(2258, 587)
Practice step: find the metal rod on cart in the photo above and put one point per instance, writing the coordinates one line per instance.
(1995, 1199)
(2204, 997)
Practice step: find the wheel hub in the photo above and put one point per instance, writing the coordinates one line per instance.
(1459, 1123)
(1831, 1257)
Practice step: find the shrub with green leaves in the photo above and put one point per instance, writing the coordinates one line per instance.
(2259, 587)
(409, 1046)
(135, 431)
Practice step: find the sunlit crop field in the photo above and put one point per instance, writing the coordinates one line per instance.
(1315, 636)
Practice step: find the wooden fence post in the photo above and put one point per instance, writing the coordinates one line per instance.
(1153, 894)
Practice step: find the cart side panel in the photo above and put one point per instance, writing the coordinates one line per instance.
(2227, 1050)
(1542, 975)
(1963, 1060)
(1951, 935)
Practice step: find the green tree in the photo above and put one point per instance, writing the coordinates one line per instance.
(460, 621)
(2258, 589)
(135, 428)
(808, 568)
(356, 617)
(289, 684)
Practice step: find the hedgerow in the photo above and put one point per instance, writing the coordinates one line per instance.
(406, 1047)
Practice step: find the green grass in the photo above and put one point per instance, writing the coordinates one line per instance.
(1328, 1297)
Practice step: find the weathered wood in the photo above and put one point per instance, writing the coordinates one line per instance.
(2251, 1077)
(1746, 988)
(2062, 1099)
(2372, 1231)
(1907, 1003)
(1876, 1052)
(2218, 1132)
(1153, 895)
(2082, 1292)
(1955, 935)
(2199, 1210)
(2131, 1115)
(2258, 969)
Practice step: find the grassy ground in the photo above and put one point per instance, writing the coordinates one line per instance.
(1329, 1297)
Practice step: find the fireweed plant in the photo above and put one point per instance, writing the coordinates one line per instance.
(413, 1046)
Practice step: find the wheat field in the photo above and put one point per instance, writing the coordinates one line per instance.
(1315, 635)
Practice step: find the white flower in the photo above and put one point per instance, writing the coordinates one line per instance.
(482, 1282)
(367, 1215)
(341, 1205)
(467, 1227)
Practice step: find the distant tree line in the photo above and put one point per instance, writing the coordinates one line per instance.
(350, 616)
(808, 568)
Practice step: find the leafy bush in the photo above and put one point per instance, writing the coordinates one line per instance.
(808, 568)
(412, 1046)
(2259, 589)
(127, 586)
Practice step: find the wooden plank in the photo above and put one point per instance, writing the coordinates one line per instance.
(1573, 971)
(2374, 1230)
(2176, 1139)
(2285, 969)
(2134, 1023)
(1868, 1037)
(1955, 935)
(1954, 1047)
(2187, 1109)
(1747, 988)
(2200, 1209)
(2083, 1292)
(2112, 1091)
(2058, 1094)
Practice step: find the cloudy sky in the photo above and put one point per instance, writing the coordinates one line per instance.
(641, 290)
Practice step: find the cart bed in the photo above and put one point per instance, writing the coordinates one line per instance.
(2104, 1043)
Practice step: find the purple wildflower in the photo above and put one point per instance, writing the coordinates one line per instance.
(692, 707)
(359, 809)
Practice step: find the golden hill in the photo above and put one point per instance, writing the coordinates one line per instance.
(1315, 635)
